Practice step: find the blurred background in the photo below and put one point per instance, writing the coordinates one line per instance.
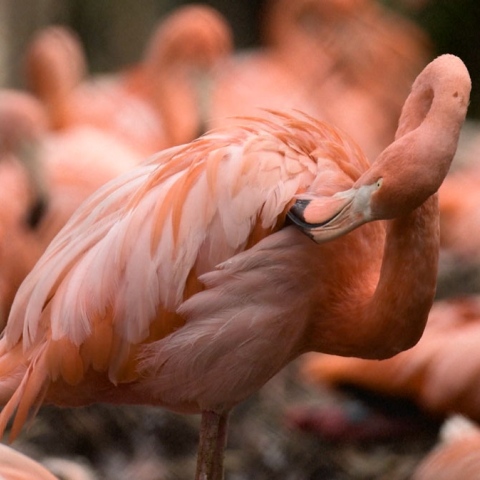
(114, 32)
(300, 426)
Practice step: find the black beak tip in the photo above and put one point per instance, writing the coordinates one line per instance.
(298, 209)
(296, 213)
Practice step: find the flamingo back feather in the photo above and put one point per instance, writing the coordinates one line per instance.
(132, 253)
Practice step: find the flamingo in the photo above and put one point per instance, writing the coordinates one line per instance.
(44, 176)
(23, 191)
(176, 284)
(55, 64)
(307, 62)
(460, 227)
(456, 456)
(157, 103)
(17, 466)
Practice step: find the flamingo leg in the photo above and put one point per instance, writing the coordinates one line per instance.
(213, 436)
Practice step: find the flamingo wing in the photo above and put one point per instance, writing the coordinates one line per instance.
(115, 275)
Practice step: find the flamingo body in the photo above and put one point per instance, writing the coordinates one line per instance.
(192, 230)
(307, 62)
(56, 170)
(456, 455)
(459, 214)
(176, 283)
(17, 466)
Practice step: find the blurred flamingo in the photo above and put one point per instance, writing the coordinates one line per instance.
(155, 104)
(460, 222)
(23, 192)
(361, 37)
(44, 177)
(176, 283)
(308, 63)
(439, 373)
(17, 466)
(456, 456)
(54, 66)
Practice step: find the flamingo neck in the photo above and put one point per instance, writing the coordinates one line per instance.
(379, 306)
(173, 94)
(394, 317)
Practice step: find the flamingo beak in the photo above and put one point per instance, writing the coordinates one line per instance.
(325, 218)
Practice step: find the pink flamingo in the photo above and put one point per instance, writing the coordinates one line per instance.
(179, 284)
(460, 228)
(44, 176)
(153, 105)
(456, 456)
(17, 466)
(308, 63)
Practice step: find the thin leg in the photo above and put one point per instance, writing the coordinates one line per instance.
(213, 436)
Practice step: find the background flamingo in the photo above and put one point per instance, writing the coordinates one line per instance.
(307, 62)
(107, 316)
(154, 104)
(54, 170)
(457, 454)
(17, 466)
(439, 372)
(459, 198)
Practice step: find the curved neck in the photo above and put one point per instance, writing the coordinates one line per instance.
(398, 310)
(55, 66)
(174, 96)
(389, 298)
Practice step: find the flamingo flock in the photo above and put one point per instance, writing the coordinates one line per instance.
(176, 233)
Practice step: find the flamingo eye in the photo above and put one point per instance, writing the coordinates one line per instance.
(379, 183)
